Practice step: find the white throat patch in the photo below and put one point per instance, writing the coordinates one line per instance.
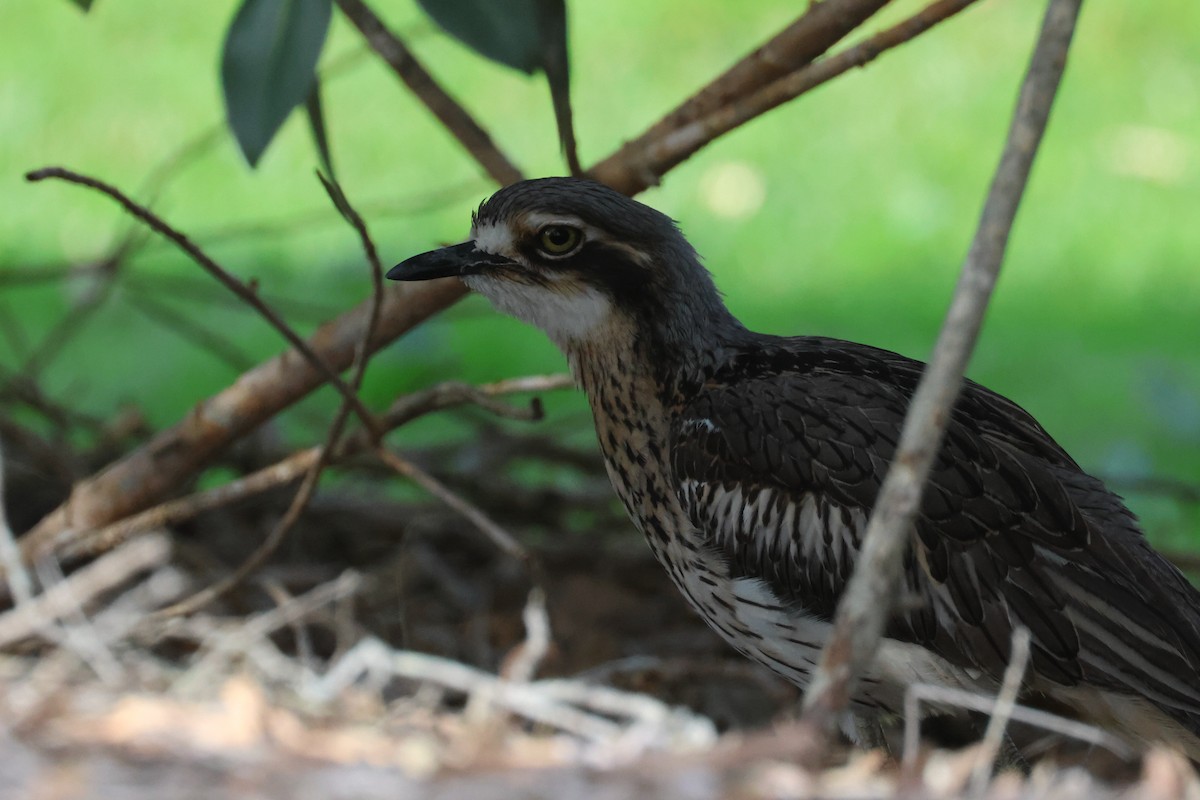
(570, 314)
(565, 309)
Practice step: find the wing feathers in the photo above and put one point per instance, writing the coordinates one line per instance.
(783, 473)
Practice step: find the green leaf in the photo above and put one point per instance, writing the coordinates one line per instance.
(508, 31)
(86, 5)
(269, 66)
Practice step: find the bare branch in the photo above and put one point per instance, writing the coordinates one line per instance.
(312, 477)
(297, 464)
(1002, 711)
(641, 162)
(147, 474)
(480, 520)
(945, 695)
(458, 122)
(820, 27)
(155, 223)
(867, 602)
(173, 512)
(455, 393)
(523, 663)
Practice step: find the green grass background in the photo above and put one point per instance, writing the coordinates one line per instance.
(846, 213)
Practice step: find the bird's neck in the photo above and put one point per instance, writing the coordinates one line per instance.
(649, 361)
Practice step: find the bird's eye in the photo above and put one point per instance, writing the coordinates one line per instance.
(558, 240)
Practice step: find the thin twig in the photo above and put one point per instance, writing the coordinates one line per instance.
(73, 631)
(867, 602)
(102, 575)
(524, 663)
(500, 537)
(453, 116)
(297, 464)
(223, 644)
(307, 221)
(247, 294)
(983, 703)
(19, 388)
(1001, 713)
(450, 394)
(302, 497)
(173, 512)
(562, 704)
(820, 27)
(220, 347)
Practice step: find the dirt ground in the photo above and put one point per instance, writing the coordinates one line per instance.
(390, 649)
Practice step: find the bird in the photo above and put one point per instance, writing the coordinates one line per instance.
(751, 462)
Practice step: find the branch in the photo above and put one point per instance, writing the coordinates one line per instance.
(823, 25)
(642, 162)
(819, 28)
(304, 494)
(147, 474)
(102, 575)
(458, 122)
(296, 465)
(866, 604)
(240, 289)
(143, 477)
(500, 537)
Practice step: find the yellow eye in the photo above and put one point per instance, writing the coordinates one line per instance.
(558, 240)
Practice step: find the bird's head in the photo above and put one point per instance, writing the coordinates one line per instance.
(580, 261)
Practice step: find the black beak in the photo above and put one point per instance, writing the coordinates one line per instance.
(449, 262)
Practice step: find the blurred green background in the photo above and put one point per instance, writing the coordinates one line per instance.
(846, 213)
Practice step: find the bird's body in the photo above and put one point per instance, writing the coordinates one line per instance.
(751, 463)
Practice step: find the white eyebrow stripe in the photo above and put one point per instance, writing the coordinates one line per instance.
(492, 238)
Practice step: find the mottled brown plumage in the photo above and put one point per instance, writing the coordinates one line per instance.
(751, 462)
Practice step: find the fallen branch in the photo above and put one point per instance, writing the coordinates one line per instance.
(219, 642)
(65, 597)
(586, 711)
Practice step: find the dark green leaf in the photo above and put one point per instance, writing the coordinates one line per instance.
(86, 5)
(269, 66)
(316, 122)
(508, 31)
